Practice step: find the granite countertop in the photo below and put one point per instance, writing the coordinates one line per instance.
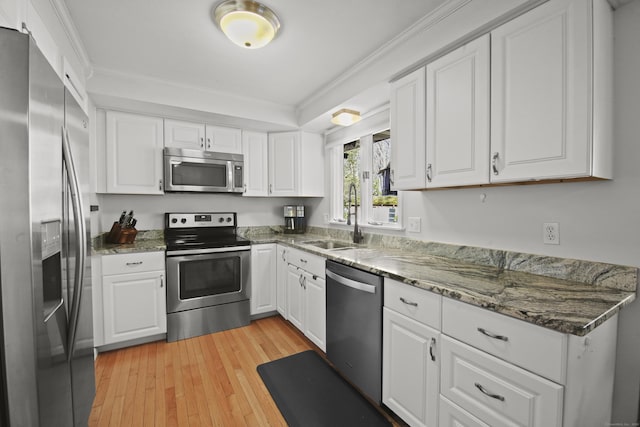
(565, 295)
(592, 293)
(146, 241)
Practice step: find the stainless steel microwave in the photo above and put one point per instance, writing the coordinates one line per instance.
(202, 171)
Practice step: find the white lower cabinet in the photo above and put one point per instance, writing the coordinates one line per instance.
(410, 376)
(133, 296)
(451, 415)
(263, 278)
(410, 353)
(447, 363)
(315, 305)
(495, 391)
(307, 295)
(281, 278)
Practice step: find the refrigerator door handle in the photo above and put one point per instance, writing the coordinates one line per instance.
(80, 243)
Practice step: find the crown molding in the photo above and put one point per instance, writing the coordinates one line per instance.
(425, 23)
(64, 17)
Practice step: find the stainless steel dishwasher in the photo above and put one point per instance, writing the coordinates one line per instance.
(354, 326)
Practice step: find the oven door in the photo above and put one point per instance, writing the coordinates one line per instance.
(196, 279)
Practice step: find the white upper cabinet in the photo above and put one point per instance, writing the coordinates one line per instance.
(296, 164)
(546, 114)
(543, 87)
(256, 171)
(12, 13)
(197, 136)
(181, 134)
(408, 169)
(224, 139)
(133, 150)
(457, 138)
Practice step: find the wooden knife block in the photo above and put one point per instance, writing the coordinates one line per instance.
(121, 235)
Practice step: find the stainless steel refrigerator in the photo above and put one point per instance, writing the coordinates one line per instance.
(46, 339)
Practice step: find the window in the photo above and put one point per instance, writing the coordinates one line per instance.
(364, 164)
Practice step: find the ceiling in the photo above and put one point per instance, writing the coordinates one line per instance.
(177, 41)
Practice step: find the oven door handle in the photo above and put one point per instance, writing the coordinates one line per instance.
(208, 251)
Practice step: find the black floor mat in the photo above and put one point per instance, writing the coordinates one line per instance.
(310, 393)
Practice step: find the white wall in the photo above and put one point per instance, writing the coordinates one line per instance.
(599, 221)
(149, 210)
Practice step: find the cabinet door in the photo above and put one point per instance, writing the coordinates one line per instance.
(263, 278)
(315, 295)
(540, 94)
(281, 277)
(256, 175)
(408, 170)
(295, 297)
(284, 155)
(134, 153)
(223, 139)
(410, 372)
(458, 117)
(134, 306)
(180, 134)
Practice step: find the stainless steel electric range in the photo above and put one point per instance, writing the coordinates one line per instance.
(208, 268)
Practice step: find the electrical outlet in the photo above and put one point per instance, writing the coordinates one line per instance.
(413, 224)
(551, 233)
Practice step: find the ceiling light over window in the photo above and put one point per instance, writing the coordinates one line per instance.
(345, 117)
(247, 23)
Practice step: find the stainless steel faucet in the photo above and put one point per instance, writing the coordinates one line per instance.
(357, 233)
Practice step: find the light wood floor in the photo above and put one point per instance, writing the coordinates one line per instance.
(204, 381)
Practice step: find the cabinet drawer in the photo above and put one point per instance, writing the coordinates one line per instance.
(311, 263)
(415, 303)
(495, 391)
(132, 262)
(529, 346)
(451, 415)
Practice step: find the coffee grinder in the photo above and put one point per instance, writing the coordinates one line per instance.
(294, 220)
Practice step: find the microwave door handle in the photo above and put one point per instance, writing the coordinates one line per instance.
(230, 182)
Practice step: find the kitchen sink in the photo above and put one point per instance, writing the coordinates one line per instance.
(329, 244)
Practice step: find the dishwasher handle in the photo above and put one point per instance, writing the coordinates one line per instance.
(351, 283)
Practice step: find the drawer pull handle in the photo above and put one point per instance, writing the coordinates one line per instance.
(494, 336)
(415, 304)
(134, 263)
(433, 344)
(484, 391)
(303, 260)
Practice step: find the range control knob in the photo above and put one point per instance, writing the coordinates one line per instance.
(174, 220)
(228, 219)
(220, 219)
(183, 220)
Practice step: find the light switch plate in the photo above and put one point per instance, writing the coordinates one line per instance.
(413, 224)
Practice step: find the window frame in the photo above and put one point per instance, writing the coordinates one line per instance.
(365, 216)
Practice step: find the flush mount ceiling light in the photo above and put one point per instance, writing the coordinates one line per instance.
(345, 117)
(247, 23)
